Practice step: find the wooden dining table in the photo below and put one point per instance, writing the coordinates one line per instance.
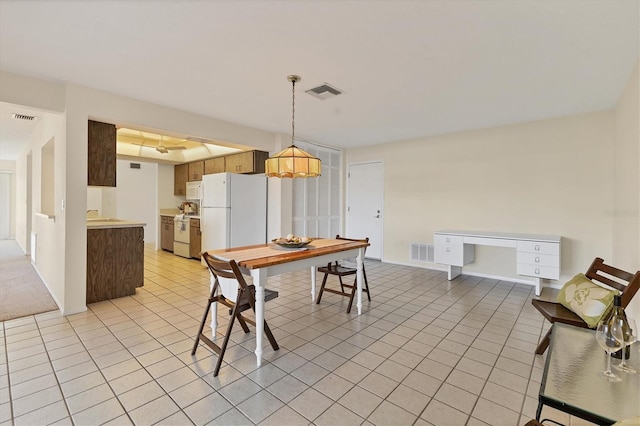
(266, 260)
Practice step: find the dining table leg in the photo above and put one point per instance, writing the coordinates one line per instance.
(359, 278)
(259, 281)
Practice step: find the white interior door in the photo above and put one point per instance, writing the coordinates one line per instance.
(5, 206)
(364, 205)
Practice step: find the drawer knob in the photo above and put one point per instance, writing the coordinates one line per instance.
(537, 247)
(448, 249)
(537, 259)
(448, 239)
(537, 271)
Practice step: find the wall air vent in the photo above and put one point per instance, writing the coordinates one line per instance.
(324, 91)
(24, 117)
(422, 252)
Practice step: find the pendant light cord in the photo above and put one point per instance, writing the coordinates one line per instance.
(293, 113)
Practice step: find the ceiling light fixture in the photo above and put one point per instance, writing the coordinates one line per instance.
(293, 162)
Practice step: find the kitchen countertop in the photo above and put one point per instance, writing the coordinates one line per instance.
(105, 223)
(186, 216)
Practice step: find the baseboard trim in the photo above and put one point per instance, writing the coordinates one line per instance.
(472, 274)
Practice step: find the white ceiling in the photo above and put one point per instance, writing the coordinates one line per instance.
(408, 69)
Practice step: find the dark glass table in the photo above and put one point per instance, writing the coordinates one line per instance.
(570, 382)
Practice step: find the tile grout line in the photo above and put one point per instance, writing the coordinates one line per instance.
(6, 356)
(154, 379)
(398, 348)
(470, 415)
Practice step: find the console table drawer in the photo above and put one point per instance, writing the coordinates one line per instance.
(451, 250)
(538, 259)
(449, 254)
(538, 247)
(448, 239)
(539, 271)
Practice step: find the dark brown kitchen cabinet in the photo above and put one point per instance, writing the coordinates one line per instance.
(180, 176)
(196, 170)
(166, 233)
(249, 162)
(101, 154)
(115, 262)
(195, 238)
(214, 165)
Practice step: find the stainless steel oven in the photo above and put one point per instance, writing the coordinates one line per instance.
(181, 239)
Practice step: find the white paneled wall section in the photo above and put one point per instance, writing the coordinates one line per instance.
(316, 201)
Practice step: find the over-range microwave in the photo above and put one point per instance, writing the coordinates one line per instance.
(194, 190)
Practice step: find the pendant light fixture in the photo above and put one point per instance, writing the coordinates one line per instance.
(293, 162)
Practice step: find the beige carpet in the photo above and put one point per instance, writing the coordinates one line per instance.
(22, 293)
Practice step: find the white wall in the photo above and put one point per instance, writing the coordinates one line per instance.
(136, 195)
(166, 199)
(94, 199)
(537, 178)
(31, 92)
(50, 250)
(9, 167)
(626, 207)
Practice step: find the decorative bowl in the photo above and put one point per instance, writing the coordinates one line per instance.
(290, 244)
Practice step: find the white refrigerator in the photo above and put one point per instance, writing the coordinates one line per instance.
(233, 211)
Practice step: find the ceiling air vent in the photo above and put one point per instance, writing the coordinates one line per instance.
(24, 117)
(324, 91)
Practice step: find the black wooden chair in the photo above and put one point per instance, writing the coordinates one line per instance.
(342, 271)
(227, 272)
(600, 272)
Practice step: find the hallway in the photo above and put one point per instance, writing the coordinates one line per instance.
(22, 292)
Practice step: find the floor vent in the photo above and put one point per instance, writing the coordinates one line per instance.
(422, 252)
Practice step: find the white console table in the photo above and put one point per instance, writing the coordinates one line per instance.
(537, 256)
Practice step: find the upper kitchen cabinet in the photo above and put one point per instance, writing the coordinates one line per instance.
(196, 170)
(214, 165)
(102, 154)
(249, 162)
(180, 177)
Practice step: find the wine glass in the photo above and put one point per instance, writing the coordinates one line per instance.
(610, 338)
(629, 337)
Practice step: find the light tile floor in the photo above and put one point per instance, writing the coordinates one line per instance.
(425, 351)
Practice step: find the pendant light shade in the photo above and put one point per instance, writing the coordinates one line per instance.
(293, 162)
